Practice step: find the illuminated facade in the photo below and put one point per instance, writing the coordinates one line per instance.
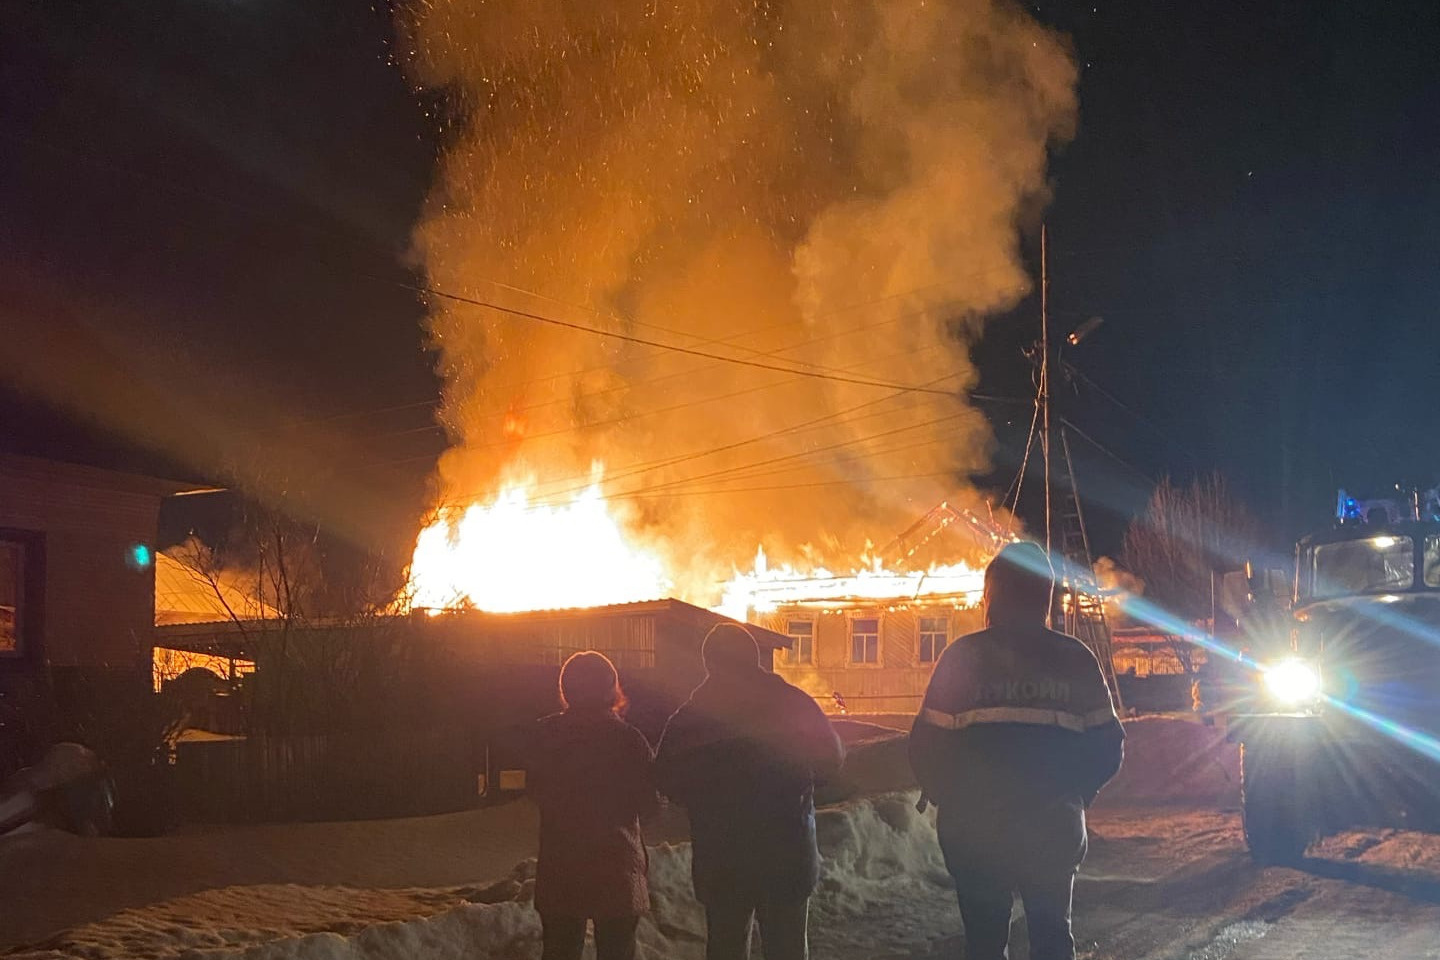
(866, 656)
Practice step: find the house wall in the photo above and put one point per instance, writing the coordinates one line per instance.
(90, 605)
(894, 684)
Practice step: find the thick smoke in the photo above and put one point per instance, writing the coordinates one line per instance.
(834, 185)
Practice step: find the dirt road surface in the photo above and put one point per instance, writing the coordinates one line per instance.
(1171, 885)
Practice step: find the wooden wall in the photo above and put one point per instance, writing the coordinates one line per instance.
(96, 609)
(896, 684)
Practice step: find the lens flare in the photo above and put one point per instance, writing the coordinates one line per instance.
(1293, 682)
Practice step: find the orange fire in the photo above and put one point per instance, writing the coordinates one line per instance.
(764, 588)
(512, 554)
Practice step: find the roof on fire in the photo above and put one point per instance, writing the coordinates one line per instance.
(207, 636)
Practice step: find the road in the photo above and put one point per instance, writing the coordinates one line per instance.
(1166, 885)
(1159, 884)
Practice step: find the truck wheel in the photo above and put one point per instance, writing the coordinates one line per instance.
(1274, 803)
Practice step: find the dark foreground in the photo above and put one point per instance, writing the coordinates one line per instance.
(1180, 885)
(1160, 884)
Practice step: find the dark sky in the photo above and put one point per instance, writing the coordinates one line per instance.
(205, 207)
(1252, 204)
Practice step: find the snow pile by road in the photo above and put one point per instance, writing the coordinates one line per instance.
(881, 860)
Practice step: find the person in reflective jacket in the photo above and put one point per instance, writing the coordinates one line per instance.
(1016, 737)
(743, 756)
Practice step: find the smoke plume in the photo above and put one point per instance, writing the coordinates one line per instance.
(828, 185)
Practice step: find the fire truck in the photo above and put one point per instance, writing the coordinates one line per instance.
(1342, 727)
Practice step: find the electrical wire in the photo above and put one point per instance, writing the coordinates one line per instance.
(818, 373)
(428, 290)
(786, 486)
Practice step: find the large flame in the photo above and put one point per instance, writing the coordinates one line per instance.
(511, 554)
(764, 588)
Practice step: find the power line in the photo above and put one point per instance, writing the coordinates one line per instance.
(427, 290)
(577, 484)
(835, 462)
(1144, 421)
(818, 373)
(785, 486)
(1019, 482)
(808, 453)
(656, 411)
(670, 489)
(1107, 451)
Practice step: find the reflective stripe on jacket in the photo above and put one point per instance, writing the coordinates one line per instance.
(1037, 716)
(1016, 719)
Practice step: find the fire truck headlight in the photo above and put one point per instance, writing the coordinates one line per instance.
(1293, 682)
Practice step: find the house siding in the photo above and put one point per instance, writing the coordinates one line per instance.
(895, 684)
(95, 609)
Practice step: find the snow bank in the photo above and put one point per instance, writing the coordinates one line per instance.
(881, 860)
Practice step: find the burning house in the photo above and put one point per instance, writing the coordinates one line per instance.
(864, 643)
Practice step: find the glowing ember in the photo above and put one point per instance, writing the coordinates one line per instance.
(763, 588)
(511, 554)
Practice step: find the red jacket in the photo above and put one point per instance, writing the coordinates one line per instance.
(590, 775)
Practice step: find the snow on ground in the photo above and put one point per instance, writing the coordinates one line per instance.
(881, 863)
(1160, 884)
(51, 881)
(1167, 879)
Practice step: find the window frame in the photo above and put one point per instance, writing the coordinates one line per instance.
(29, 607)
(1321, 589)
(876, 636)
(791, 656)
(1430, 547)
(921, 634)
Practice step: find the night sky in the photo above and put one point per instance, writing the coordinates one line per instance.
(205, 211)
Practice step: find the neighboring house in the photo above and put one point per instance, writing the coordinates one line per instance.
(187, 594)
(409, 715)
(77, 572)
(868, 656)
(77, 593)
(503, 666)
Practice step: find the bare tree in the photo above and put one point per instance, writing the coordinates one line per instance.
(330, 653)
(1186, 535)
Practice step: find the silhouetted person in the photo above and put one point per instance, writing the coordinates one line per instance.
(591, 775)
(743, 756)
(1016, 737)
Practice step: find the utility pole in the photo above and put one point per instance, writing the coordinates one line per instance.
(1045, 372)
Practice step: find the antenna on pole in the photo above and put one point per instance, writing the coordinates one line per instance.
(1045, 372)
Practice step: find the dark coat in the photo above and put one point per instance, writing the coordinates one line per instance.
(591, 776)
(743, 755)
(1016, 737)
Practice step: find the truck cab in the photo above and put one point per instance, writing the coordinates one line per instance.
(1344, 729)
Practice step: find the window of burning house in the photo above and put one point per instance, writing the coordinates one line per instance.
(802, 642)
(865, 640)
(1364, 566)
(934, 634)
(12, 597)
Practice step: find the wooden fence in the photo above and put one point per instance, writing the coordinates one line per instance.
(330, 777)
